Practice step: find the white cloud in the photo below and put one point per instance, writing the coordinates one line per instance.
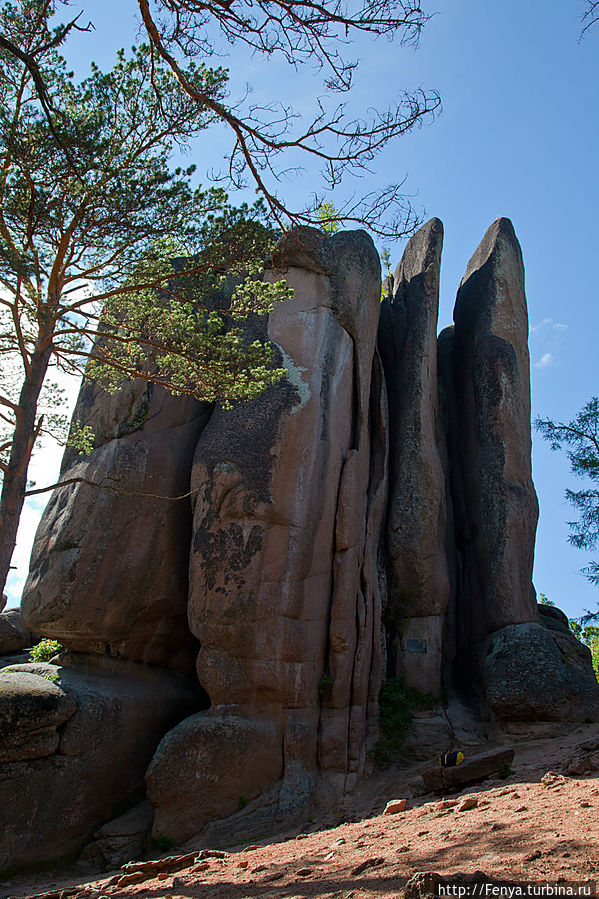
(545, 361)
(548, 327)
(546, 338)
(534, 329)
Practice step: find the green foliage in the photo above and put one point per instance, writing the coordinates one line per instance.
(328, 218)
(398, 702)
(163, 843)
(81, 438)
(243, 801)
(45, 650)
(589, 635)
(386, 257)
(545, 601)
(580, 439)
(325, 682)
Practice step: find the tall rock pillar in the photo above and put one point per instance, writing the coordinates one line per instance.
(418, 580)
(496, 506)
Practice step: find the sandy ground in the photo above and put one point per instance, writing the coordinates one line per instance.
(529, 828)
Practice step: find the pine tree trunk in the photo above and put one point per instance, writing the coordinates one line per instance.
(15, 478)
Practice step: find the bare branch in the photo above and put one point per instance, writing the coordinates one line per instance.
(590, 16)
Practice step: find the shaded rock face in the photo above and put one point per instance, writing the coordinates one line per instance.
(485, 365)
(109, 569)
(75, 748)
(417, 569)
(284, 595)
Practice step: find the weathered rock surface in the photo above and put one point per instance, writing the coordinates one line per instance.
(554, 619)
(284, 595)
(109, 568)
(418, 578)
(473, 770)
(119, 841)
(496, 507)
(106, 719)
(531, 673)
(417, 569)
(232, 760)
(270, 583)
(31, 710)
(3, 601)
(14, 635)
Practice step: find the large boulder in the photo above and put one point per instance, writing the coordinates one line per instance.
(109, 564)
(534, 674)
(233, 761)
(495, 503)
(284, 595)
(32, 708)
(14, 635)
(418, 578)
(76, 741)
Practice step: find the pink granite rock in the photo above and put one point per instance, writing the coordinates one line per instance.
(284, 595)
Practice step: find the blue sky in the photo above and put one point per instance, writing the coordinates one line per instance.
(518, 137)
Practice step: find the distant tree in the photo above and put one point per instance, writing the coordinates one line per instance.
(580, 439)
(89, 224)
(589, 635)
(327, 217)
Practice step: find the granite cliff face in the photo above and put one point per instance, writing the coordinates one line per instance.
(370, 516)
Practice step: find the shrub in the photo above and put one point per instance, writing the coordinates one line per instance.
(398, 702)
(45, 650)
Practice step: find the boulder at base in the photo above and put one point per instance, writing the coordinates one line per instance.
(233, 760)
(97, 723)
(473, 770)
(533, 674)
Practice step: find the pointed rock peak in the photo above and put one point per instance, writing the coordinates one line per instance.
(499, 240)
(422, 251)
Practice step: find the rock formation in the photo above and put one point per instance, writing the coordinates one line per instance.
(14, 636)
(76, 740)
(490, 448)
(418, 576)
(284, 596)
(371, 515)
(109, 566)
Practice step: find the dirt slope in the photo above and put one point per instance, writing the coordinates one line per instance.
(530, 827)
